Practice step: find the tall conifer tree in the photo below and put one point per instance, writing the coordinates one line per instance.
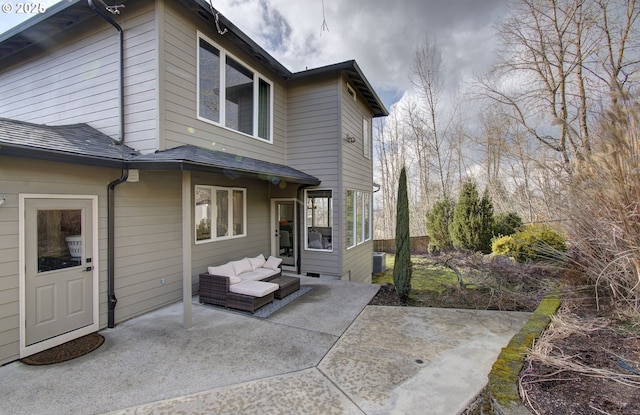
(402, 266)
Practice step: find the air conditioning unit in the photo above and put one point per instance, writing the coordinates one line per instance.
(379, 262)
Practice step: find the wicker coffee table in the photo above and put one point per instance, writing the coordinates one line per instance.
(287, 286)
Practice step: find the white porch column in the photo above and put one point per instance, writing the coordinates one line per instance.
(186, 249)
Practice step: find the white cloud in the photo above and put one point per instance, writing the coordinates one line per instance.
(380, 35)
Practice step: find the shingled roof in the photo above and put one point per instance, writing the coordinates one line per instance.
(195, 158)
(83, 144)
(77, 143)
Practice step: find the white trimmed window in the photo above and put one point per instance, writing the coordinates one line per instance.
(358, 217)
(366, 137)
(231, 94)
(220, 213)
(318, 225)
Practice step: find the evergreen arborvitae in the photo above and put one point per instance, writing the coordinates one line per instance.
(486, 223)
(438, 221)
(472, 225)
(402, 266)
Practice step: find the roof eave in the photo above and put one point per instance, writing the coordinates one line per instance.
(207, 168)
(14, 150)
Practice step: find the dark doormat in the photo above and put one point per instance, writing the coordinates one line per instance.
(66, 351)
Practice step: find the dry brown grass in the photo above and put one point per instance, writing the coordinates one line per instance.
(604, 209)
(566, 367)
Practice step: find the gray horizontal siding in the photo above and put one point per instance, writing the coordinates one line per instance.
(179, 91)
(314, 147)
(76, 79)
(357, 174)
(148, 232)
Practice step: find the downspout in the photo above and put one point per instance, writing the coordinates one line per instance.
(111, 292)
(113, 23)
(111, 286)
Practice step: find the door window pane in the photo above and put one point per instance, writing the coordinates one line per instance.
(59, 239)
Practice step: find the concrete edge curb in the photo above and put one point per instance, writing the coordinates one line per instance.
(504, 375)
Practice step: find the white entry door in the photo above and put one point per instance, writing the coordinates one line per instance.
(60, 279)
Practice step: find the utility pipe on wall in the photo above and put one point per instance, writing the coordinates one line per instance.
(113, 23)
(111, 279)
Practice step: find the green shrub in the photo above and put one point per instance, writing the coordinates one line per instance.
(502, 245)
(438, 221)
(533, 243)
(472, 225)
(506, 224)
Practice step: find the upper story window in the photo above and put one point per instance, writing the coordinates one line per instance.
(366, 137)
(231, 94)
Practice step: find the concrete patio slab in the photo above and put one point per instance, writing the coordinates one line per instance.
(310, 357)
(404, 359)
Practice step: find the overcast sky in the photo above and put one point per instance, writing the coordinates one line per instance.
(381, 35)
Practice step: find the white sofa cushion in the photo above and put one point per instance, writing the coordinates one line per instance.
(266, 272)
(252, 276)
(241, 266)
(272, 263)
(254, 288)
(234, 280)
(257, 262)
(225, 270)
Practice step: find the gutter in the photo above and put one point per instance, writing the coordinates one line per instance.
(111, 289)
(113, 23)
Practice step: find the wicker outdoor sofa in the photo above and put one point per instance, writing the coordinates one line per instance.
(244, 284)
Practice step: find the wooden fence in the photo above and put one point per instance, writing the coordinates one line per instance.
(419, 245)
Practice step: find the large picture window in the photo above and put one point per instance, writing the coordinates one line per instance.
(358, 217)
(220, 213)
(231, 94)
(319, 214)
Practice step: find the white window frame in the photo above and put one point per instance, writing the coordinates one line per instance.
(214, 219)
(360, 235)
(351, 91)
(366, 138)
(307, 225)
(257, 77)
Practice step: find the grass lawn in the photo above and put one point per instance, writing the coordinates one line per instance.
(427, 279)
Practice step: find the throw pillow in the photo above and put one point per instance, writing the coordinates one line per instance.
(273, 263)
(241, 266)
(257, 262)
